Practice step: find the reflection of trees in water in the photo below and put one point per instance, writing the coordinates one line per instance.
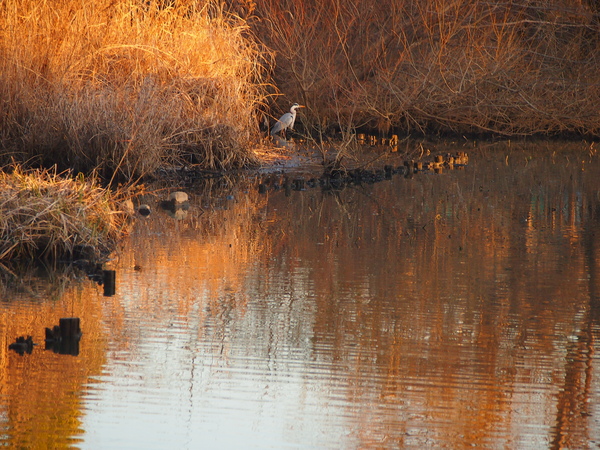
(487, 263)
(574, 407)
(36, 280)
(405, 289)
(41, 401)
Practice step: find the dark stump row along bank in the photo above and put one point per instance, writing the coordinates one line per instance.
(336, 177)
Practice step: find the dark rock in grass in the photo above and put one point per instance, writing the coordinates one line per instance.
(144, 210)
(177, 200)
(178, 197)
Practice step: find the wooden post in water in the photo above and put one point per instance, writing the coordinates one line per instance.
(64, 338)
(389, 171)
(109, 282)
(409, 170)
(69, 328)
(299, 184)
(287, 186)
(461, 158)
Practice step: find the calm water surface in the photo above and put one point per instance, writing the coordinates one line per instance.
(448, 310)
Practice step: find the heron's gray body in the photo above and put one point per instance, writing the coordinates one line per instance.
(286, 121)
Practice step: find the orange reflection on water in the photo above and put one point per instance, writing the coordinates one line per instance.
(451, 310)
(41, 393)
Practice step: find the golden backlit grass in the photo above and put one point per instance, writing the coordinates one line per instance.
(127, 86)
(50, 215)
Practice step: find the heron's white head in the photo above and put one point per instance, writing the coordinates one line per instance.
(295, 106)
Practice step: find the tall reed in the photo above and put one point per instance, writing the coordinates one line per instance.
(511, 67)
(127, 85)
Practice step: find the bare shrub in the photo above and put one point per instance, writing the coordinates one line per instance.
(515, 68)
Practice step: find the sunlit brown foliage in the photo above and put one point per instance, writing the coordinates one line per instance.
(517, 67)
(126, 86)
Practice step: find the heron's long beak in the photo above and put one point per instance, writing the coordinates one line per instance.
(301, 106)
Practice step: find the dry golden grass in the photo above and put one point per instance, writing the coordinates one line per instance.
(127, 86)
(50, 215)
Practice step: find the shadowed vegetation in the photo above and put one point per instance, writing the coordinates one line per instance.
(457, 66)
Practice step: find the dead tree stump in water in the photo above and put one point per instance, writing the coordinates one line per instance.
(109, 282)
(69, 328)
(22, 345)
(64, 338)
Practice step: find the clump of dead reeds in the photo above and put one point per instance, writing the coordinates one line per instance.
(127, 86)
(50, 215)
(515, 68)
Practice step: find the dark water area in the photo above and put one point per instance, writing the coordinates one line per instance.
(450, 310)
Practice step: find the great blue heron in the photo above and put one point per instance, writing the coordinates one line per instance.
(286, 121)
